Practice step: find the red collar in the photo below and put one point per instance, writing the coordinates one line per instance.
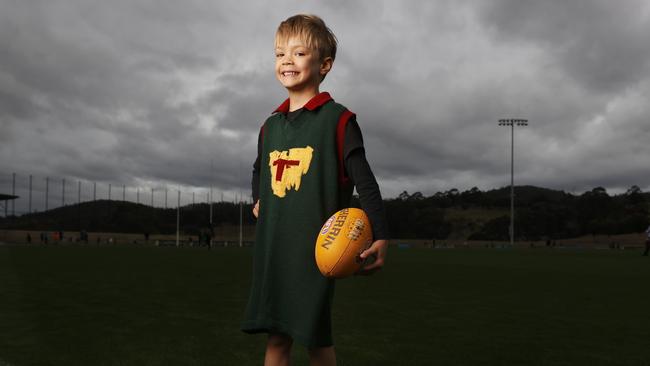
(313, 103)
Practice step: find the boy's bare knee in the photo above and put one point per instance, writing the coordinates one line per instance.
(279, 342)
(322, 356)
(278, 350)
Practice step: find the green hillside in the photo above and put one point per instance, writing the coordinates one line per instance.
(129, 217)
(540, 214)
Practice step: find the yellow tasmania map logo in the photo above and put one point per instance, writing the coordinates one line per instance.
(287, 168)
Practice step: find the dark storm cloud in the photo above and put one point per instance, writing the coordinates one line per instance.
(14, 106)
(601, 44)
(154, 94)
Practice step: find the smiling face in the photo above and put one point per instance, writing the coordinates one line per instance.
(298, 67)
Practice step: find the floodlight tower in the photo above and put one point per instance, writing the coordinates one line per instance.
(512, 122)
(178, 218)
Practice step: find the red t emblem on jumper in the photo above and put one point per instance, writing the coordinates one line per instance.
(283, 178)
(281, 164)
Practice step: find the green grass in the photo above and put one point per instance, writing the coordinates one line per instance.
(169, 306)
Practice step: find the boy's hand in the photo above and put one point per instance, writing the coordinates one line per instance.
(378, 250)
(256, 208)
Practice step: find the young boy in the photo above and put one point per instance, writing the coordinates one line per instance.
(310, 157)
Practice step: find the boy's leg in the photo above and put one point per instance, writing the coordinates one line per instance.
(278, 350)
(322, 356)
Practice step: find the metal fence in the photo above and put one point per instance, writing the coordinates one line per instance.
(38, 193)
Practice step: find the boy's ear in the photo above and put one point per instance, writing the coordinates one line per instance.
(326, 66)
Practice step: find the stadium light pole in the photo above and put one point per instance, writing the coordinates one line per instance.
(13, 193)
(241, 215)
(241, 221)
(30, 193)
(210, 197)
(47, 192)
(178, 218)
(512, 122)
(210, 203)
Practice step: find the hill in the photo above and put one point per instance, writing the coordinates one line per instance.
(540, 214)
(128, 217)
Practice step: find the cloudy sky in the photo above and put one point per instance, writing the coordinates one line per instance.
(151, 93)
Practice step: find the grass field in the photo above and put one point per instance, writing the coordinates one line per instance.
(74, 305)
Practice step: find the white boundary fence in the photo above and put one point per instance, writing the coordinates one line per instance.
(38, 193)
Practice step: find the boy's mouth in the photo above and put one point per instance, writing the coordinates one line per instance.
(289, 73)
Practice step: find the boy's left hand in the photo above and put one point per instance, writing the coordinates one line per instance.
(378, 249)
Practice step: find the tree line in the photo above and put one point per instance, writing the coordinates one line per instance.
(473, 214)
(540, 213)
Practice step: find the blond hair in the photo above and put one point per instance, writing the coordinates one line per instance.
(312, 30)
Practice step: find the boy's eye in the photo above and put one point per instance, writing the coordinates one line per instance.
(300, 53)
(279, 54)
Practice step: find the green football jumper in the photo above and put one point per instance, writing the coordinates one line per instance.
(301, 185)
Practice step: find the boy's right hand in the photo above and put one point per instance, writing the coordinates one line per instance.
(256, 208)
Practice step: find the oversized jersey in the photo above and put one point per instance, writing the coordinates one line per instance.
(301, 185)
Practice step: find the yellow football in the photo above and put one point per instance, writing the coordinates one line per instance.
(341, 240)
